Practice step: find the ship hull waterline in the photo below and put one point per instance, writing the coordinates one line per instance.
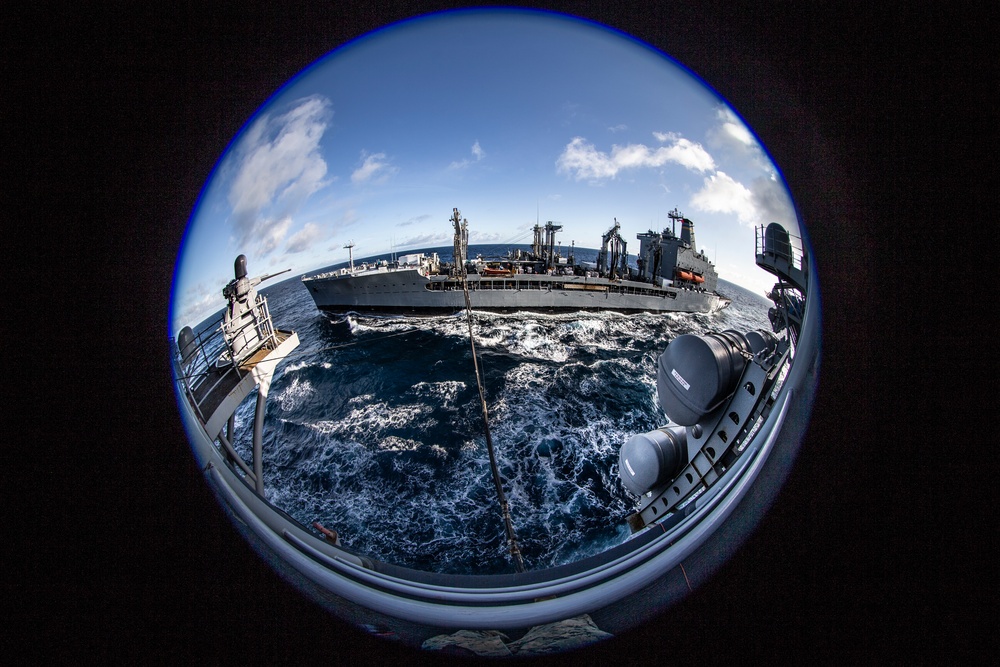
(409, 292)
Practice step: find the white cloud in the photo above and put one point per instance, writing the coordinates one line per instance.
(426, 241)
(756, 195)
(764, 198)
(375, 168)
(618, 128)
(722, 194)
(584, 161)
(416, 219)
(687, 154)
(199, 302)
(773, 203)
(664, 137)
(477, 152)
(304, 238)
(736, 142)
(277, 165)
(734, 128)
(274, 234)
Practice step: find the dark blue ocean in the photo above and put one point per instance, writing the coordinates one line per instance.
(373, 425)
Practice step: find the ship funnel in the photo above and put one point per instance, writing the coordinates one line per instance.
(240, 267)
(687, 232)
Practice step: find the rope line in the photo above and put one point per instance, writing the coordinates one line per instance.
(508, 525)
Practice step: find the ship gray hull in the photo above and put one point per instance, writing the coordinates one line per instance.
(407, 291)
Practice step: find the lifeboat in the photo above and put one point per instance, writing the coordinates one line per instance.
(690, 276)
(487, 271)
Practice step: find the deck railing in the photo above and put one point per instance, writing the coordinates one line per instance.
(776, 247)
(216, 358)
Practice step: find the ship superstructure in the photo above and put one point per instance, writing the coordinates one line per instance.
(664, 256)
(671, 277)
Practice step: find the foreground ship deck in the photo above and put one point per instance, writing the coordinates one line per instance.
(700, 508)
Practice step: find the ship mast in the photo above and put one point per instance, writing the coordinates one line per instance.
(550, 242)
(350, 252)
(674, 216)
(461, 244)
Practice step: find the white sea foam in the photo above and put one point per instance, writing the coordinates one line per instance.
(292, 367)
(389, 480)
(324, 426)
(395, 444)
(294, 394)
(378, 416)
(444, 392)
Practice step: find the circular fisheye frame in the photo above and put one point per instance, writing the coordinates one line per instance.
(448, 348)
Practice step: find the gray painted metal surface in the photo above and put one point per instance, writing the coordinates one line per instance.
(407, 290)
(540, 280)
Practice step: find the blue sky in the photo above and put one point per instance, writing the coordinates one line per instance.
(510, 116)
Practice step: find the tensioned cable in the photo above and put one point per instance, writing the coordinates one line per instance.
(519, 237)
(508, 525)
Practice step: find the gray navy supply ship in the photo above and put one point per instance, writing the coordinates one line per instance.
(671, 275)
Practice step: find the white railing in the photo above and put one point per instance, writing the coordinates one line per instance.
(776, 247)
(217, 356)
